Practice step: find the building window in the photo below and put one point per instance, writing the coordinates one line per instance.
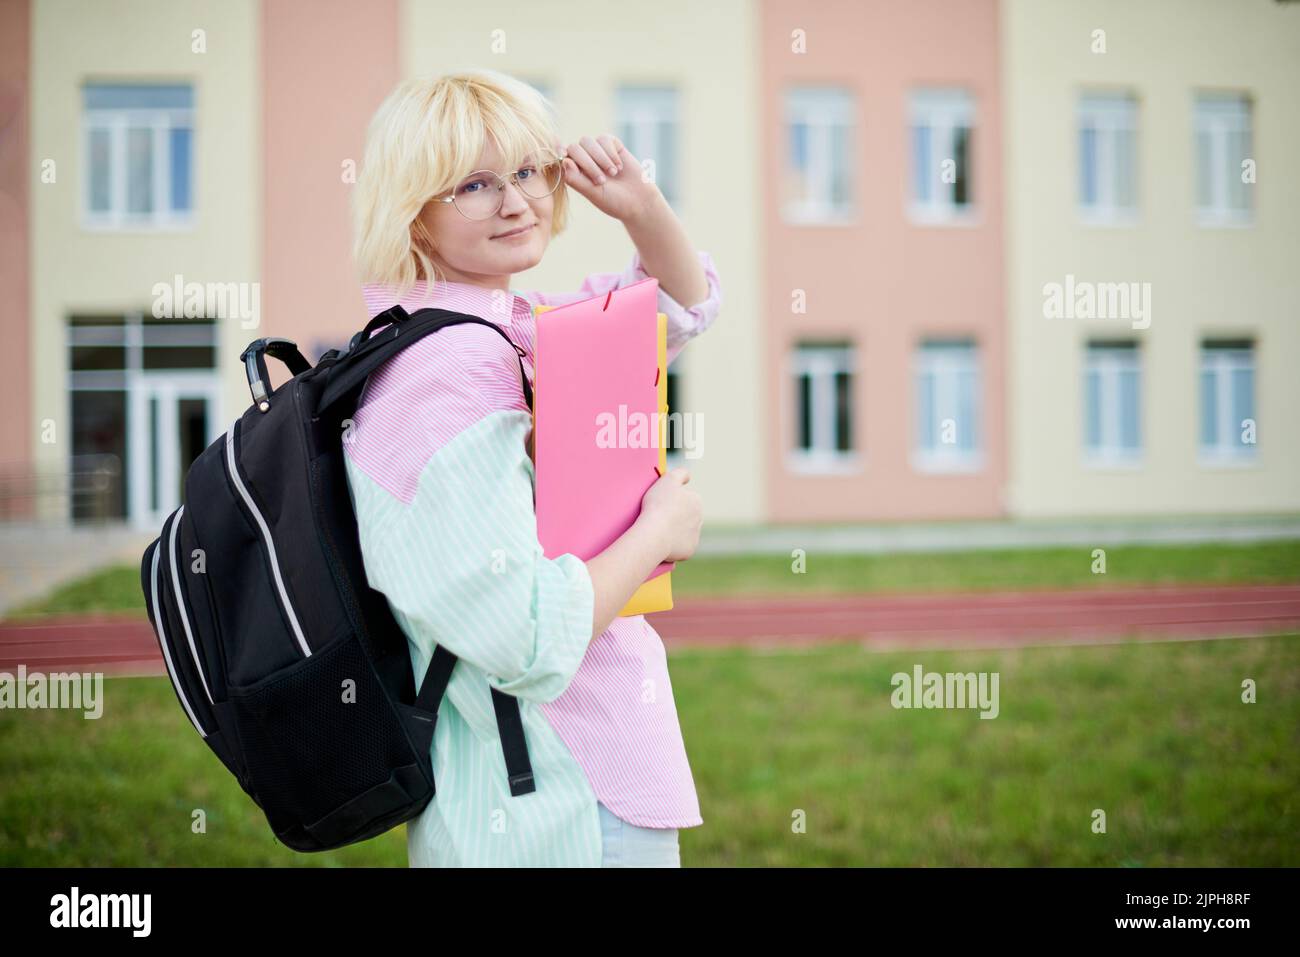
(1112, 403)
(941, 122)
(947, 381)
(673, 430)
(822, 374)
(1223, 147)
(139, 156)
(648, 125)
(1108, 157)
(144, 394)
(818, 159)
(1227, 400)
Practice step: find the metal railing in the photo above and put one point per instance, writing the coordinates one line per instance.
(89, 490)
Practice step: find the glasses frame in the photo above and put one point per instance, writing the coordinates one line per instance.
(501, 187)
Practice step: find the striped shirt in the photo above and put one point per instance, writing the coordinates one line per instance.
(443, 490)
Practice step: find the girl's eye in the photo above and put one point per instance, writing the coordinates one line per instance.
(527, 172)
(465, 187)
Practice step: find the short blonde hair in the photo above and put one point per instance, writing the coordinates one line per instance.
(426, 137)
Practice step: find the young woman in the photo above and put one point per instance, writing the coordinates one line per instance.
(463, 184)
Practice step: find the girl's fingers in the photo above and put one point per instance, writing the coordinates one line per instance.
(580, 156)
(613, 150)
(575, 176)
(601, 158)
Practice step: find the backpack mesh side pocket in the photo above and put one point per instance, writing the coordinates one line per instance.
(314, 742)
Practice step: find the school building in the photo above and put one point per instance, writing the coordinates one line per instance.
(898, 198)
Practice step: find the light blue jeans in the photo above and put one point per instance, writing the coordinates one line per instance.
(626, 845)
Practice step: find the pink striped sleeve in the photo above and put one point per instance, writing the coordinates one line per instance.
(425, 396)
(684, 323)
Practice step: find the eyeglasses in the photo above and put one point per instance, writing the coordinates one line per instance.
(483, 192)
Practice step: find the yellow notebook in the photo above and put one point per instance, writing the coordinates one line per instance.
(654, 594)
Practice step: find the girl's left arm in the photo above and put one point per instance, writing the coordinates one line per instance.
(666, 252)
(690, 293)
(604, 171)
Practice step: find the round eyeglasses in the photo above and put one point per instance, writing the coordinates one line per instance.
(481, 194)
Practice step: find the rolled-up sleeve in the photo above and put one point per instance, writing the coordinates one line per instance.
(460, 562)
(684, 322)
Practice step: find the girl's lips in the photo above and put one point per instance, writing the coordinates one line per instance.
(524, 231)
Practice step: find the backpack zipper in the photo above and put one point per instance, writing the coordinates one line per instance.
(162, 636)
(266, 538)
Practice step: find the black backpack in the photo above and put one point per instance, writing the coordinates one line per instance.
(291, 668)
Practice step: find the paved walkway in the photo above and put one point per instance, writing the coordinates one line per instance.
(126, 644)
(36, 558)
(961, 536)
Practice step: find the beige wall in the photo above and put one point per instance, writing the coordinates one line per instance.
(583, 51)
(1204, 281)
(74, 269)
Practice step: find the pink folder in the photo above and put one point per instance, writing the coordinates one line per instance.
(599, 379)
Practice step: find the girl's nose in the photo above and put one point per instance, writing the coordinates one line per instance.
(513, 198)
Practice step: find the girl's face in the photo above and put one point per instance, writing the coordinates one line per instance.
(475, 251)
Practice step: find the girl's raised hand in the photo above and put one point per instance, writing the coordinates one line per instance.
(606, 173)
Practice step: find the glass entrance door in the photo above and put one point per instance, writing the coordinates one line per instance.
(172, 418)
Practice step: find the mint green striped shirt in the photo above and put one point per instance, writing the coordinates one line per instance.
(487, 556)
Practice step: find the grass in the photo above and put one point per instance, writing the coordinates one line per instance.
(1220, 564)
(1153, 734)
(117, 589)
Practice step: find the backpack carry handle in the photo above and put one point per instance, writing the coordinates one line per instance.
(259, 380)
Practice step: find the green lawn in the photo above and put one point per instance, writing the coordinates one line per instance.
(1256, 562)
(1155, 734)
(118, 588)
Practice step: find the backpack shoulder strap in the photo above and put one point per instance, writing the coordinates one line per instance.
(350, 371)
(353, 367)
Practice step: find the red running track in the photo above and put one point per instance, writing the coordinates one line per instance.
(992, 619)
(126, 645)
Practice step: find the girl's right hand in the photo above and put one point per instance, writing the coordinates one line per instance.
(676, 512)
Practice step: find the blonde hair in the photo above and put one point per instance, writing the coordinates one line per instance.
(427, 136)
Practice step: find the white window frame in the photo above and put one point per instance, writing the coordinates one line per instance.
(942, 111)
(821, 363)
(821, 110)
(945, 365)
(1109, 362)
(141, 384)
(116, 122)
(641, 110)
(1220, 116)
(1108, 114)
(1222, 363)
